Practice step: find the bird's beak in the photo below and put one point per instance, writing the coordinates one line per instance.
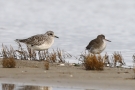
(56, 36)
(108, 40)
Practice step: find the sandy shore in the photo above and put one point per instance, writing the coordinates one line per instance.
(33, 73)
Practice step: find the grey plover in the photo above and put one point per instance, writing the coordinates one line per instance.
(39, 42)
(96, 46)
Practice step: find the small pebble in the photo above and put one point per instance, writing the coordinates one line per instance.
(62, 65)
(71, 75)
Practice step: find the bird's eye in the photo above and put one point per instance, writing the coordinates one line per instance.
(50, 33)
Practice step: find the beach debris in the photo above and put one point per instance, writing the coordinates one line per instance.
(74, 64)
(61, 64)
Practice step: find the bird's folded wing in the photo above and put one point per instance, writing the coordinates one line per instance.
(36, 40)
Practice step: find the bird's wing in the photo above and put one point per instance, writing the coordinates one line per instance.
(35, 40)
(93, 42)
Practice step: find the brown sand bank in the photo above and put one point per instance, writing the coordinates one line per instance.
(33, 72)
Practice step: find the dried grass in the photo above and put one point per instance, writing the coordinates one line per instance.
(8, 52)
(62, 55)
(133, 65)
(133, 57)
(53, 56)
(57, 55)
(46, 65)
(8, 62)
(8, 57)
(118, 58)
(92, 62)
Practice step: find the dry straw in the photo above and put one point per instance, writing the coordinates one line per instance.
(8, 62)
(133, 65)
(118, 58)
(92, 62)
(8, 57)
(46, 65)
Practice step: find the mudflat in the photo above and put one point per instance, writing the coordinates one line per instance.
(33, 72)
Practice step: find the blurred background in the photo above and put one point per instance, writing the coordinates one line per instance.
(76, 22)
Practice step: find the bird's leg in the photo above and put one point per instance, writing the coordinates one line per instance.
(30, 54)
(47, 54)
(47, 51)
(33, 55)
(39, 55)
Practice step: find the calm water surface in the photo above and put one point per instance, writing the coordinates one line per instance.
(76, 22)
(6, 86)
(32, 87)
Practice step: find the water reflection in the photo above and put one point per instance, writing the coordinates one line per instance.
(8, 86)
(25, 87)
(32, 87)
(35, 88)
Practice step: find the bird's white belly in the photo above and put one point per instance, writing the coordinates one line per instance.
(103, 46)
(42, 47)
(100, 49)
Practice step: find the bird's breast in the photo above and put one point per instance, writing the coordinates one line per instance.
(103, 46)
(43, 46)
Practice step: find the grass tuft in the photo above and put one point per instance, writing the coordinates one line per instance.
(118, 58)
(8, 62)
(46, 65)
(92, 62)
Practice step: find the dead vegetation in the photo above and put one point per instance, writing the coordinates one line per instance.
(55, 56)
(46, 65)
(8, 57)
(8, 52)
(117, 58)
(133, 65)
(106, 60)
(8, 62)
(97, 62)
(92, 62)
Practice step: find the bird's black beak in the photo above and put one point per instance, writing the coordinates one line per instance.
(108, 40)
(56, 36)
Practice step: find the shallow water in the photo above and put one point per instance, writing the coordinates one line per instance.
(33, 87)
(7, 86)
(76, 22)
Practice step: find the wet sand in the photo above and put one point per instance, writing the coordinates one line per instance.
(34, 73)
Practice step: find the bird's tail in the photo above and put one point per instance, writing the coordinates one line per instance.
(87, 47)
(17, 40)
(20, 40)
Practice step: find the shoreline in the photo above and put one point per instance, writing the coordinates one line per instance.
(67, 76)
